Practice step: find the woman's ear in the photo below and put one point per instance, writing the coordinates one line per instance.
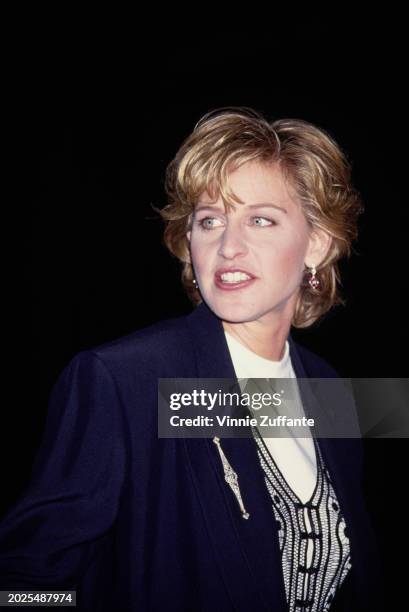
(319, 245)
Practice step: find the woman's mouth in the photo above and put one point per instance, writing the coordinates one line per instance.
(233, 279)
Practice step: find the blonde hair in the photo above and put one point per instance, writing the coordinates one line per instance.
(311, 160)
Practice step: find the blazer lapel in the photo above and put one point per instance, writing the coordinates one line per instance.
(248, 550)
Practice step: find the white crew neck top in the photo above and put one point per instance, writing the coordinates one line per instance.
(248, 364)
(295, 457)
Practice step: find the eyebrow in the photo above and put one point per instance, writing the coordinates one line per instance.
(262, 205)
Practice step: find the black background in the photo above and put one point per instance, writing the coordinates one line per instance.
(100, 110)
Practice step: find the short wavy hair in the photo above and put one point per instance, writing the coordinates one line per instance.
(311, 161)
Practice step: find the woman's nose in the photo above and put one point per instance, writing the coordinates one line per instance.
(232, 243)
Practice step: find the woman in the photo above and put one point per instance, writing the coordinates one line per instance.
(258, 214)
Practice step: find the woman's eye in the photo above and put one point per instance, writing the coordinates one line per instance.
(208, 223)
(263, 221)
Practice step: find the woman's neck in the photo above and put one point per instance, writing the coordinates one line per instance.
(261, 338)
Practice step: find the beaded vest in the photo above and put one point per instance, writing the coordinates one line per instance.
(312, 536)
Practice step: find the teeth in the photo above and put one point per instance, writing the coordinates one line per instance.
(234, 277)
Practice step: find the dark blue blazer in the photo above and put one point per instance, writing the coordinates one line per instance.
(133, 522)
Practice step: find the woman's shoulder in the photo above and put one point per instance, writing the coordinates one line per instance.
(165, 340)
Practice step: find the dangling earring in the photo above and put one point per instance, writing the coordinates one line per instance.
(313, 280)
(195, 283)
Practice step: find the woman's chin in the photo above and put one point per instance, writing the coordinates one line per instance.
(240, 313)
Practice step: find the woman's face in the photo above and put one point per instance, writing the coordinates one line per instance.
(249, 262)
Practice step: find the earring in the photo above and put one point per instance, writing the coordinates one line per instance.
(195, 282)
(313, 280)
